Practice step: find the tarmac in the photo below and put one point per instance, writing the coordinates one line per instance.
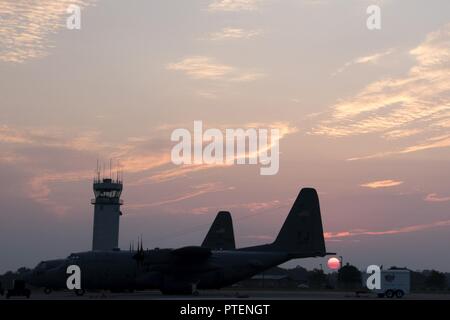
(228, 295)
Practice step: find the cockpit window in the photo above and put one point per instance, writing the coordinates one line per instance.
(42, 265)
(74, 257)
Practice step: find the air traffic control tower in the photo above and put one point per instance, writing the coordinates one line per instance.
(107, 212)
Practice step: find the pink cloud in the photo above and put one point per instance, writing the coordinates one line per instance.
(382, 184)
(434, 197)
(198, 191)
(408, 229)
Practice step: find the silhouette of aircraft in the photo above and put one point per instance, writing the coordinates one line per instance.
(214, 265)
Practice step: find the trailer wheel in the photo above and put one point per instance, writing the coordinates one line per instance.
(399, 294)
(389, 294)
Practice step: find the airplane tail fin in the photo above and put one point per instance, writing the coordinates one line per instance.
(302, 232)
(221, 235)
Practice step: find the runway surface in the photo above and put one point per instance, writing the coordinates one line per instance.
(227, 295)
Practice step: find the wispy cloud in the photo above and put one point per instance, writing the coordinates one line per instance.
(403, 133)
(148, 157)
(431, 143)
(382, 184)
(233, 33)
(176, 173)
(233, 5)
(26, 26)
(250, 206)
(50, 137)
(207, 95)
(434, 197)
(183, 171)
(11, 157)
(372, 59)
(40, 188)
(205, 68)
(198, 191)
(408, 229)
(21, 145)
(341, 235)
(418, 102)
(10, 135)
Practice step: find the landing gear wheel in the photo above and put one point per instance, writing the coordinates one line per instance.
(80, 292)
(399, 294)
(389, 294)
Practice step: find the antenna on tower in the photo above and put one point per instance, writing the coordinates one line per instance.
(117, 171)
(98, 171)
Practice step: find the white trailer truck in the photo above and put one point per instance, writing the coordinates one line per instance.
(394, 283)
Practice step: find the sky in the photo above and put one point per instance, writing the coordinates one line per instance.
(364, 117)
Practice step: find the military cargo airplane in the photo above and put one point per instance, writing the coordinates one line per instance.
(220, 236)
(184, 270)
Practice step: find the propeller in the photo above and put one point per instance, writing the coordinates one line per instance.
(139, 255)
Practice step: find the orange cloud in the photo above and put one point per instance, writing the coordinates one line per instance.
(40, 187)
(251, 206)
(205, 68)
(233, 5)
(198, 191)
(382, 184)
(27, 24)
(177, 172)
(404, 106)
(135, 155)
(364, 60)
(409, 229)
(432, 143)
(233, 33)
(434, 197)
(184, 170)
(9, 135)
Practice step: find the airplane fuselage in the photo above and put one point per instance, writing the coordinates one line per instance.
(159, 269)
